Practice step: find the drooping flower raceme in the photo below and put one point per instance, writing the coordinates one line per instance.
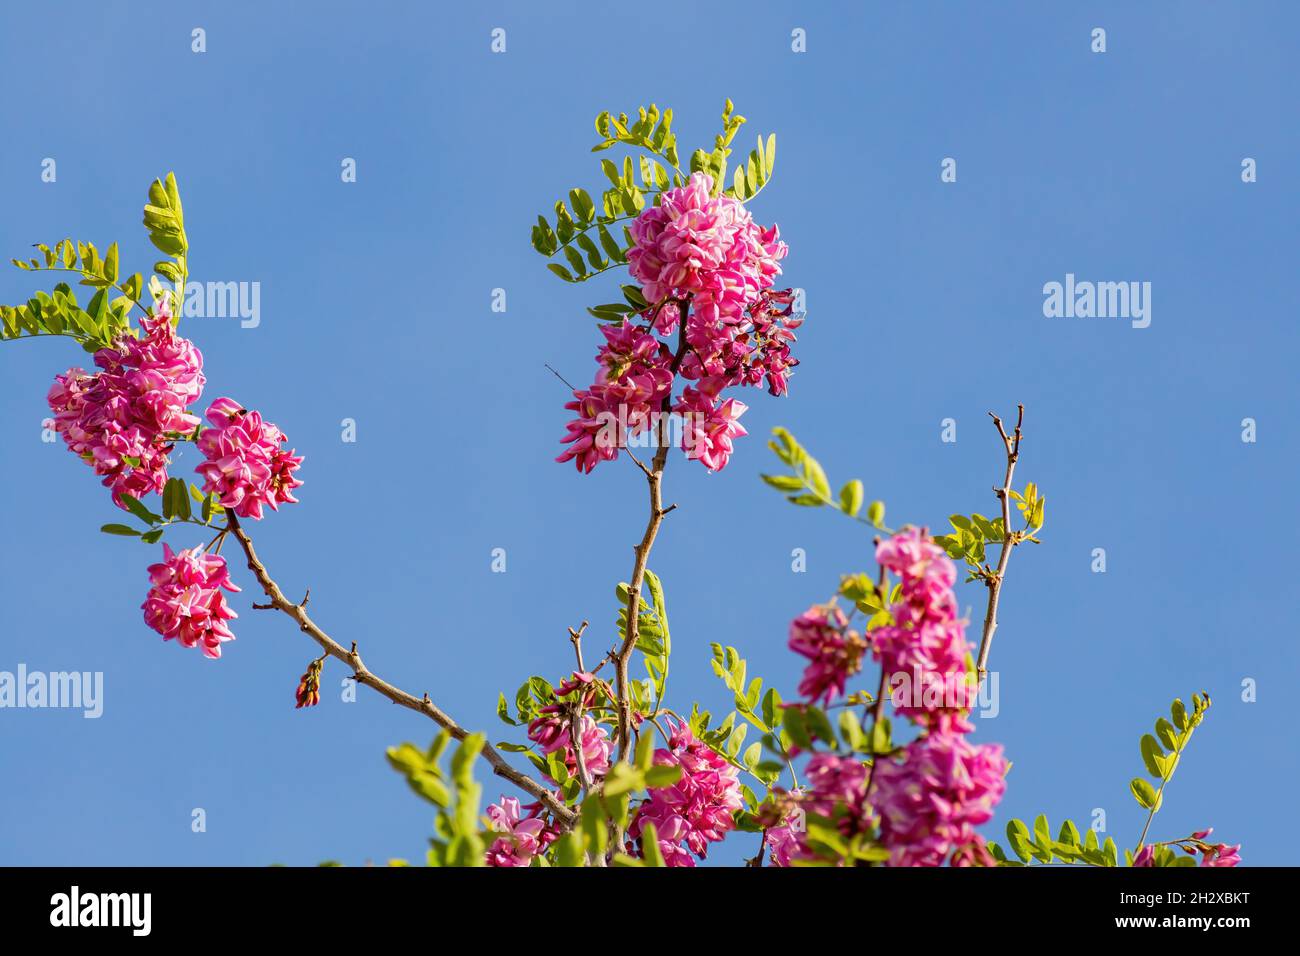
(524, 836)
(708, 427)
(185, 601)
(931, 802)
(924, 650)
(696, 810)
(247, 465)
(706, 269)
(836, 787)
(123, 420)
(822, 634)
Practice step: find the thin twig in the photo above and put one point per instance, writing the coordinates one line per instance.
(561, 378)
(575, 637)
(362, 675)
(1009, 539)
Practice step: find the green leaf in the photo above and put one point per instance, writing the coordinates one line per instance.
(110, 263)
(772, 710)
(569, 850)
(1069, 834)
(806, 501)
(1168, 736)
(876, 513)
(645, 752)
(1179, 713)
(1153, 756)
(881, 732)
(176, 499)
(650, 846)
(1143, 793)
(784, 482)
(851, 496)
(664, 776)
(851, 729)
(1018, 838)
(816, 478)
(124, 530)
(140, 511)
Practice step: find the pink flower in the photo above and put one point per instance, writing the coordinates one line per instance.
(707, 271)
(924, 650)
(524, 836)
(552, 732)
(1221, 855)
(822, 635)
(630, 350)
(696, 810)
(633, 380)
(931, 802)
(122, 420)
(185, 601)
(708, 428)
(1216, 854)
(247, 466)
(836, 788)
(1145, 856)
(695, 244)
(783, 844)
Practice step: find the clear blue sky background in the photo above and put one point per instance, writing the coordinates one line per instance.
(925, 303)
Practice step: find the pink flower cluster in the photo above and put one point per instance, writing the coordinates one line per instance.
(185, 601)
(924, 649)
(696, 810)
(122, 420)
(247, 466)
(927, 804)
(931, 802)
(634, 378)
(703, 254)
(822, 634)
(552, 729)
(709, 248)
(833, 782)
(524, 835)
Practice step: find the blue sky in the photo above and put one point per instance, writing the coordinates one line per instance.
(925, 303)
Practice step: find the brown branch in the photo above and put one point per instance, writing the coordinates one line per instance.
(654, 480)
(352, 659)
(1010, 539)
